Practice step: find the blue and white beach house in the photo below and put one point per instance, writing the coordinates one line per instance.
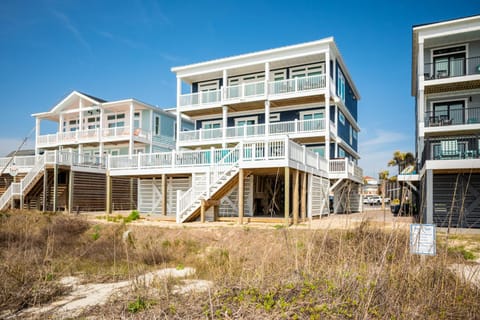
(446, 87)
(260, 136)
(275, 134)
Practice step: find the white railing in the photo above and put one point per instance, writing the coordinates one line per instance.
(18, 161)
(245, 90)
(296, 85)
(255, 130)
(90, 135)
(184, 201)
(5, 198)
(254, 89)
(199, 98)
(346, 167)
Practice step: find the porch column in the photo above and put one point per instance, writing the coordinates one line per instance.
(164, 194)
(296, 178)
(327, 105)
(80, 115)
(130, 142)
(287, 196)
(241, 176)
(420, 63)
(60, 123)
(179, 114)
(224, 84)
(37, 134)
(303, 201)
(267, 117)
(429, 196)
(224, 125)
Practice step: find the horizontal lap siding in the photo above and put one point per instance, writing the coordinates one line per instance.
(89, 191)
(318, 192)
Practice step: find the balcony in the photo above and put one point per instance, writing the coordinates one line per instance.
(452, 152)
(295, 129)
(345, 168)
(255, 91)
(91, 136)
(458, 67)
(447, 118)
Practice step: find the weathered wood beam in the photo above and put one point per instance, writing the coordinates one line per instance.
(108, 205)
(303, 200)
(71, 178)
(202, 211)
(164, 194)
(287, 196)
(296, 179)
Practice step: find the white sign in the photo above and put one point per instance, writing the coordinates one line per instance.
(423, 239)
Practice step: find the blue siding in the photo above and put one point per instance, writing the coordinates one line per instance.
(344, 133)
(166, 126)
(350, 99)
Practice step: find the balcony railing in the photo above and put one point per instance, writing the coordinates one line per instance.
(91, 135)
(256, 130)
(345, 166)
(451, 148)
(254, 89)
(452, 117)
(452, 68)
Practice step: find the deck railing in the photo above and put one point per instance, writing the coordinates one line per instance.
(457, 116)
(453, 67)
(345, 166)
(255, 130)
(451, 148)
(90, 135)
(254, 89)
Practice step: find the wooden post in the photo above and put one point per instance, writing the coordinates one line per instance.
(164, 194)
(287, 196)
(71, 178)
(303, 200)
(55, 186)
(131, 195)
(202, 211)
(108, 206)
(241, 175)
(296, 179)
(45, 186)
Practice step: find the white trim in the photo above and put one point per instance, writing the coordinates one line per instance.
(209, 85)
(311, 112)
(274, 117)
(341, 117)
(304, 70)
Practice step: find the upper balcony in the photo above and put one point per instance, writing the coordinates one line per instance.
(451, 152)
(237, 95)
(97, 135)
(294, 129)
(452, 118)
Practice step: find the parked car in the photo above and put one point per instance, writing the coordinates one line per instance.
(375, 200)
(366, 199)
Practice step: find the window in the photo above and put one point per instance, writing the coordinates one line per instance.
(307, 71)
(449, 62)
(449, 112)
(248, 122)
(137, 120)
(320, 150)
(157, 125)
(341, 117)
(93, 122)
(73, 125)
(341, 153)
(278, 75)
(214, 124)
(355, 134)
(341, 85)
(116, 120)
(351, 135)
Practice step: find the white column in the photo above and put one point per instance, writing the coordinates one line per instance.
(224, 126)
(130, 144)
(80, 115)
(336, 132)
(60, 123)
(179, 114)
(327, 105)
(225, 83)
(429, 195)
(267, 117)
(37, 134)
(420, 63)
(267, 77)
(100, 127)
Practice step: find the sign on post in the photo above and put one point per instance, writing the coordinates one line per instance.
(423, 239)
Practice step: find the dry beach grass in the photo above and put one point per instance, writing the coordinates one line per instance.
(270, 272)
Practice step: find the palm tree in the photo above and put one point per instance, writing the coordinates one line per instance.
(401, 160)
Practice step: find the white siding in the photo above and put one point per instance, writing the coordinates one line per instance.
(318, 196)
(229, 203)
(150, 194)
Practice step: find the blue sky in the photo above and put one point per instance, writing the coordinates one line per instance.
(123, 49)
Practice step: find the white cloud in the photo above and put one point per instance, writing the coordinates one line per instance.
(67, 23)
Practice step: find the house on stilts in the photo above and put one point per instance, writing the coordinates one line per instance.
(275, 133)
(72, 144)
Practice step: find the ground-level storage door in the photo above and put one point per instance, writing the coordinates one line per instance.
(317, 196)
